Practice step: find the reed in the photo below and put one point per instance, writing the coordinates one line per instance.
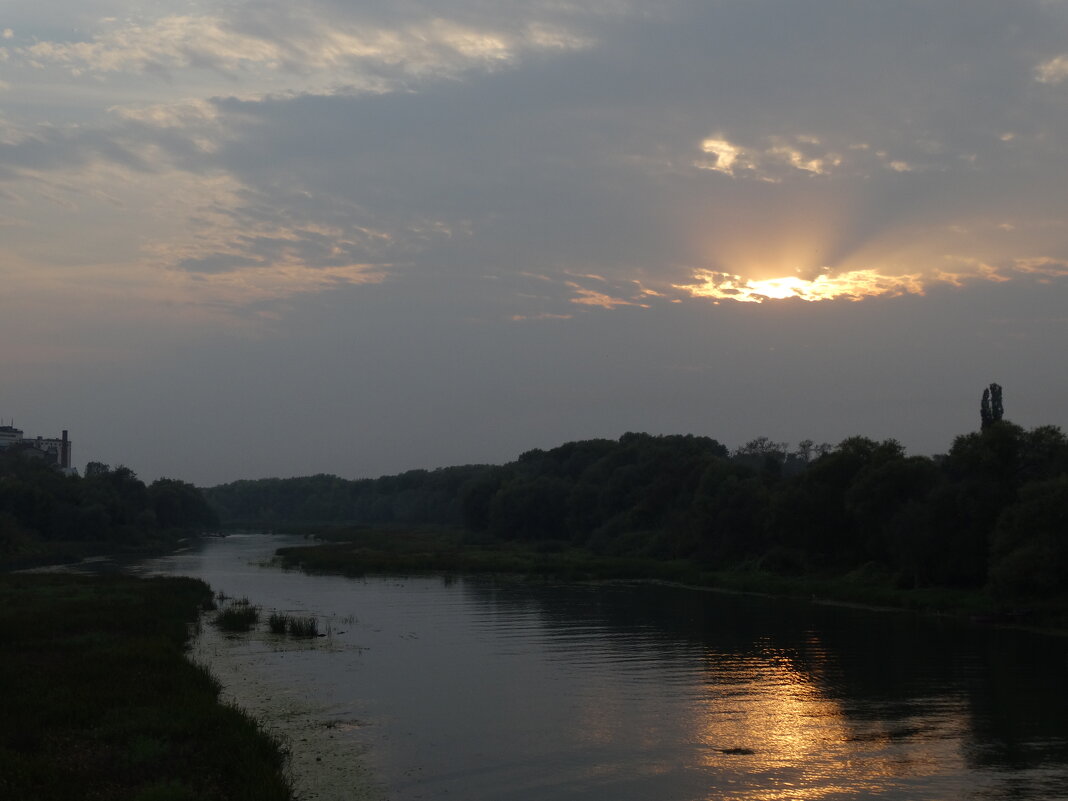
(303, 627)
(237, 617)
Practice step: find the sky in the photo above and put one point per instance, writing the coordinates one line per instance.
(249, 239)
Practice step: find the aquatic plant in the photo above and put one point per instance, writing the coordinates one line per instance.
(277, 622)
(303, 627)
(237, 617)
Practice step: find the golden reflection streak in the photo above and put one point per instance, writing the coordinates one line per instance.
(792, 742)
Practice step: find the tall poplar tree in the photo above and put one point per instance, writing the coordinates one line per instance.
(991, 409)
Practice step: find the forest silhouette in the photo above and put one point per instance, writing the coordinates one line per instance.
(989, 514)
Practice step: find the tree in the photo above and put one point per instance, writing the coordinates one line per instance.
(762, 454)
(178, 504)
(1028, 549)
(991, 409)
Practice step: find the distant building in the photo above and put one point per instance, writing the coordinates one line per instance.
(52, 450)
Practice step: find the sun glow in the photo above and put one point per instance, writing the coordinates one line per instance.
(851, 285)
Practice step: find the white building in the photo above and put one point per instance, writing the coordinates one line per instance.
(9, 435)
(55, 450)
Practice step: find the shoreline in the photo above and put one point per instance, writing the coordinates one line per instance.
(380, 552)
(322, 761)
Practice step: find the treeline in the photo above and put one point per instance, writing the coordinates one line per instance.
(992, 512)
(39, 504)
(417, 497)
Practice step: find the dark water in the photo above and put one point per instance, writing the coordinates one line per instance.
(476, 689)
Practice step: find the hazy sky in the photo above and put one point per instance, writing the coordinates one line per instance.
(245, 239)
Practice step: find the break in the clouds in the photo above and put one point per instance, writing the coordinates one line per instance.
(212, 166)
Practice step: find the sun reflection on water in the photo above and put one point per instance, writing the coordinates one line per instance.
(770, 731)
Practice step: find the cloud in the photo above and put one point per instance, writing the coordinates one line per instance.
(53, 148)
(313, 51)
(1053, 71)
(525, 221)
(234, 288)
(790, 154)
(722, 139)
(854, 285)
(775, 158)
(1042, 266)
(862, 284)
(586, 296)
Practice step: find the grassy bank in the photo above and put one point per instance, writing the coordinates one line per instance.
(28, 552)
(101, 703)
(360, 551)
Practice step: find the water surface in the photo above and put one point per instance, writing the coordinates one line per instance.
(488, 690)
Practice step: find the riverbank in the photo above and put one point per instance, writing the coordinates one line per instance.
(102, 703)
(360, 551)
(29, 554)
(325, 763)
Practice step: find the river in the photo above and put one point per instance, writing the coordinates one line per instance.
(496, 690)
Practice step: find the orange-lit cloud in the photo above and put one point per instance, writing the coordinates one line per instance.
(606, 296)
(859, 284)
(854, 285)
(1053, 71)
(864, 283)
(590, 297)
(779, 157)
(245, 287)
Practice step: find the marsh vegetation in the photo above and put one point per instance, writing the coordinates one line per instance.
(293, 625)
(102, 703)
(237, 616)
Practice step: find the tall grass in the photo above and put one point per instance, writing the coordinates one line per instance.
(303, 627)
(293, 625)
(107, 705)
(237, 617)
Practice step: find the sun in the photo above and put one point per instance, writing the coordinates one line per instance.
(850, 285)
